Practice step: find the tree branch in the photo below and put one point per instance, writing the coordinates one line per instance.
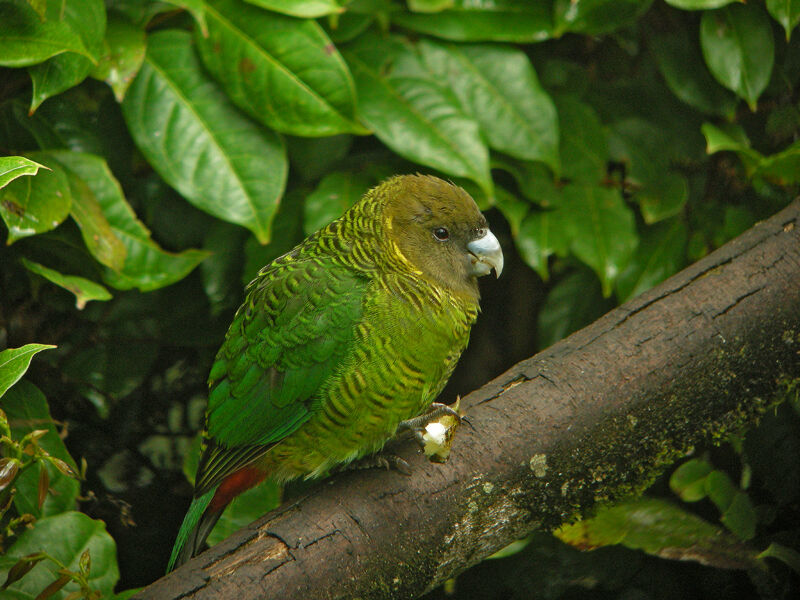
(595, 417)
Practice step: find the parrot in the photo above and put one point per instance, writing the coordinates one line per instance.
(341, 343)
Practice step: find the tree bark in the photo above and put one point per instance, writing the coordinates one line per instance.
(596, 417)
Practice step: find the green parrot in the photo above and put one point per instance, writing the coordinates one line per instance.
(341, 342)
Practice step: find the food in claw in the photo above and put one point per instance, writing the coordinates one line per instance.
(340, 341)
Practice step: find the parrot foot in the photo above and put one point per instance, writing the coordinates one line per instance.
(390, 462)
(437, 409)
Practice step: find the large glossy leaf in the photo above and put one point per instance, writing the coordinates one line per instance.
(661, 253)
(88, 19)
(659, 527)
(639, 144)
(536, 182)
(542, 234)
(785, 12)
(284, 72)
(15, 361)
(337, 192)
(147, 266)
(123, 55)
(65, 537)
(27, 411)
(413, 114)
(12, 167)
(499, 88)
(220, 161)
(595, 16)
(196, 8)
(83, 289)
(96, 231)
(31, 205)
(680, 61)
(739, 49)
(485, 20)
(25, 39)
(306, 9)
(584, 143)
(601, 228)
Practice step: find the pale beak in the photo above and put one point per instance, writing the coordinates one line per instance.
(486, 255)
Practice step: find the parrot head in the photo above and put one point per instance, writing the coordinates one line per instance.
(438, 228)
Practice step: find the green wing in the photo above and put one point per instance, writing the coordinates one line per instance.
(286, 340)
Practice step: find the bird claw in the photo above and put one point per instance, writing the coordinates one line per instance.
(438, 410)
(390, 462)
(434, 430)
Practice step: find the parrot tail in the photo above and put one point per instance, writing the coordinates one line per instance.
(205, 511)
(196, 526)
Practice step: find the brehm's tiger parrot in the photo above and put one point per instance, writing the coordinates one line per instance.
(339, 342)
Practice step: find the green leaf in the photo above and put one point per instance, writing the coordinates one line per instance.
(65, 537)
(27, 410)
(680, 62)
(196, 8)
(346, 27)
(31, 205)
(12, 167)
(738, 514)
(124, 50)
(640, 144)
(88, 19)
(218, 160)
(25, 39)
(97, 233)
(84, 289)
(602, 229)
(595, 16)
(662, 529)
(429, 6)
(412, 114)
(337, 192)
(246, 508)
(514, 209)
(542, 234)
(574, 302)
(584, 144)
(15, 361)
(535, 181)
(699, 4)
(661, 253)
(282, 71)
(782, 168)
(306, 9)
(733, 138)
(739, 49)
(484, 20)
(785, 12)
(689, 480)
(789, 556)
(147, 266)
(499, 88)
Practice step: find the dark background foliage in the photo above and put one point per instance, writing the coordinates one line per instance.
(187, 143)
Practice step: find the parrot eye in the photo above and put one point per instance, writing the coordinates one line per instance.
(441, 234)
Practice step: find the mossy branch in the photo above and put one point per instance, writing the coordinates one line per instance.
(594, 418)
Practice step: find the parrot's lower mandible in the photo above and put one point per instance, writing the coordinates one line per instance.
(339, 342)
